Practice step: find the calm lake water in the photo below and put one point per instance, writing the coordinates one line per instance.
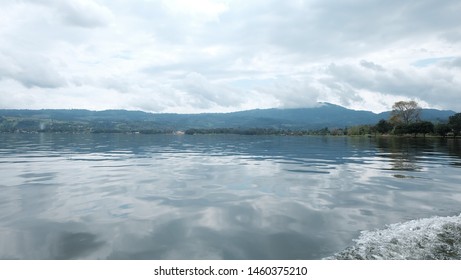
(111, 196)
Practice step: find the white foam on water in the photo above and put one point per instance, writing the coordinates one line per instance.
(437, 238)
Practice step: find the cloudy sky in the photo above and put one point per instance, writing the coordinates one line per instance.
(190, 56)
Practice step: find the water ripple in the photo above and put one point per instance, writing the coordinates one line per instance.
(218, 196)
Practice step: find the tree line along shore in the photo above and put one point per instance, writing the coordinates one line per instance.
(404, 121)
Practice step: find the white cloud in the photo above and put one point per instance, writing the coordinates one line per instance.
(81, 13)
(222, 55)
(206, 94)
(433, 85)
(292, 93)
(202, 10)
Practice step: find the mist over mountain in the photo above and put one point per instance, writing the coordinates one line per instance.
(324, 115)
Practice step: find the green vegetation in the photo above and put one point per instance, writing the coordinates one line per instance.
(455, 124)
(360, 130)
(404, 120)
(263, 131)
(34, 125)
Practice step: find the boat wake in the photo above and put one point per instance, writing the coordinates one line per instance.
(437, 238)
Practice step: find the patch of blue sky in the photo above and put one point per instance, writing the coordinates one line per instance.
(430, 61)
(124, 55)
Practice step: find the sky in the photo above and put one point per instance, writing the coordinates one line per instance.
(194, 56)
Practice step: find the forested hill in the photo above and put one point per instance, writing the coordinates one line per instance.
(325, 115)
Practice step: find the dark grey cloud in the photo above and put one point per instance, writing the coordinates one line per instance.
(331, 28)
(30, 71)
(452, 36)
(84, 13)
(452, 63)
(371, 65)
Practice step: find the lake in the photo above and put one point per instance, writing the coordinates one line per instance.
(116, 196)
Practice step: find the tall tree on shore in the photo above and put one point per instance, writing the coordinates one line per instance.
(383, 127)
(455, 123)
(442, 129)
(405, 112)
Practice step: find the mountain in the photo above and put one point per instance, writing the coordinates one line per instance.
(324, 115)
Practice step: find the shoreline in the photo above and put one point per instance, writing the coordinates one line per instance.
(248, 132)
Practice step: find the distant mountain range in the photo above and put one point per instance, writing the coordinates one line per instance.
(325, 115)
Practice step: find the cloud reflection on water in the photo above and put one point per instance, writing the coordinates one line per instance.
(212, 197)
